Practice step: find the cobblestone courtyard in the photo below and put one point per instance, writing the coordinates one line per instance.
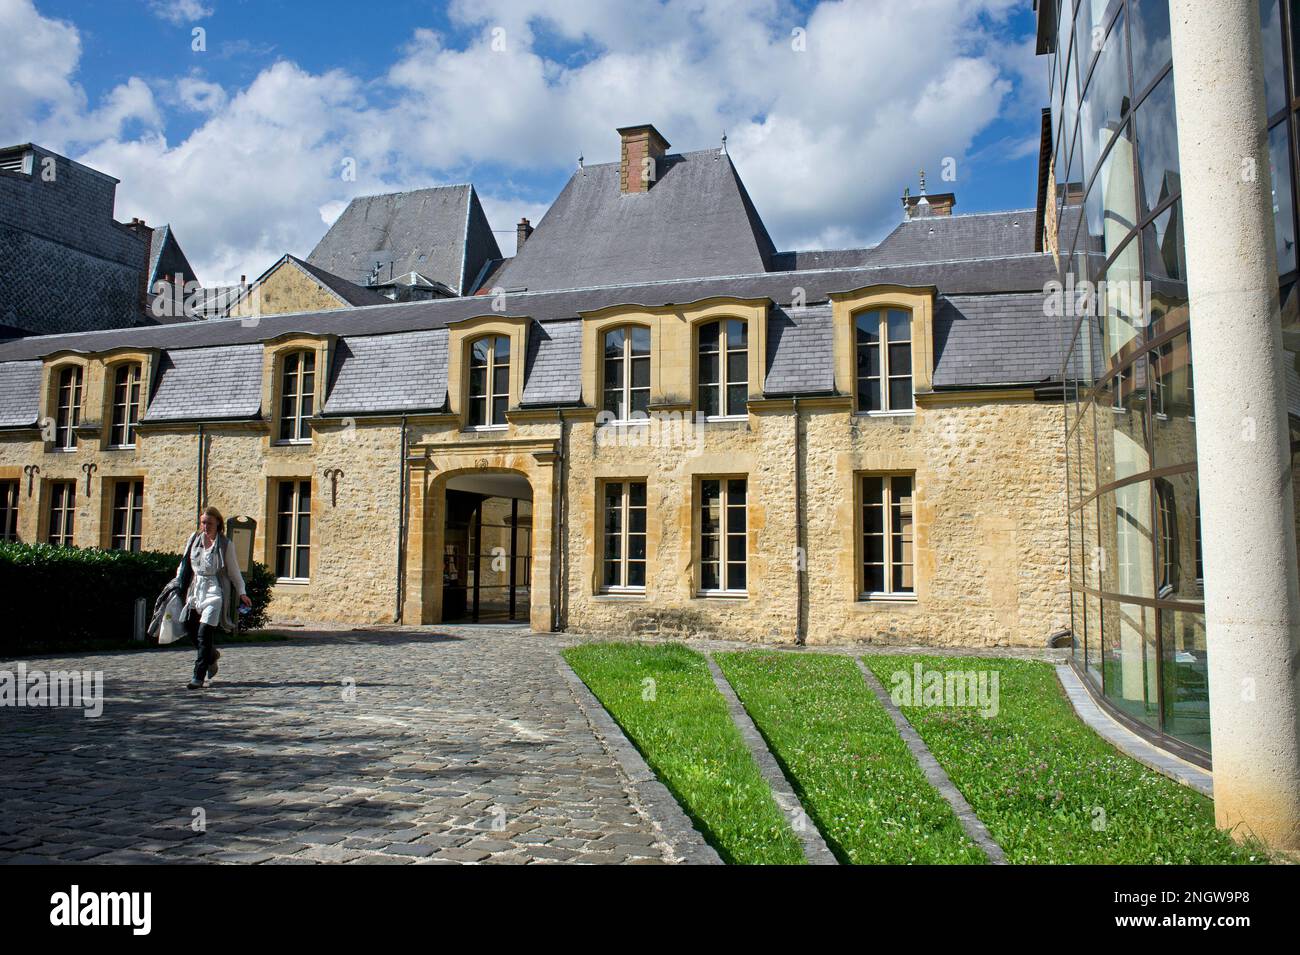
(367, 747)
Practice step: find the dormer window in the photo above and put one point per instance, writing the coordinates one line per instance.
(489, 381)
(69, 408)
(627, 372)
(297, 396)
(126, 405)
(723, 368)
(884, 360)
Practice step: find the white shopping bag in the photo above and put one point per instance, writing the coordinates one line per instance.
(171, 628)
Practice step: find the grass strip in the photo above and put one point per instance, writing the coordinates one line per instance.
(847, 762)
(664, 699)
(1048, 788)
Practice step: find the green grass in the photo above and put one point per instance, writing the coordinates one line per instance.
(850, 767)
(688, 738)
(1051, 790)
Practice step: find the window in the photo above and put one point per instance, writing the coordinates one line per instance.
(69, 409)
(887, 535)
(128, 508)
(126, 405)
(489, 381)
(723, 543)
(627, 372)
(297, 394)
(63, 505)
(884, 358)
(625, 536)
(1167, 541)
(293, 537)
(723, 368)
(8, 510)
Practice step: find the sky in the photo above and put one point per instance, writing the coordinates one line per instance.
(249, 124)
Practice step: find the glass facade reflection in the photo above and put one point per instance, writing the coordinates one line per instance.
(1137, 598)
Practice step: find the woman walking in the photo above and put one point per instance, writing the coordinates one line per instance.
(210, 579)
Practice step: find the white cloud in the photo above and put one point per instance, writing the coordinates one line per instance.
(825, 138)
(180, 12)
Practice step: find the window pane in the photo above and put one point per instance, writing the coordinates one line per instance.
(636, 494)
(900, 326)
(1186, 677)
(614, 343)
(737, 367)
(499, 410)
(900, 359)
(1106, 101)
(501, 344)
(1279, 153)
(479, 352)
(1157, 137)
(709, 337)
(636, 547)
(636, 574)
(708, 369)
(501, 380)
(736, 577)
(709, 576)
(737, 395)
(641, 373)
(640, 340)
(610, 578)
(1270, 21)
(737, 334)
(736, 491)
(868, 326)
(873, 579)
(640, 403)
(900, 394)
(1149, 34)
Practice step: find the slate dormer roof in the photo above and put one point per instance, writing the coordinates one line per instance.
(930, 239)
(696, 220)
(440, 232)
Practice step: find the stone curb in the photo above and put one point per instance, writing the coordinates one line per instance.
(1128, 742)
(815, 849)
(660, 804)
(970, 823)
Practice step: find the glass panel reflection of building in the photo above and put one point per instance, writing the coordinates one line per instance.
(1114, 218)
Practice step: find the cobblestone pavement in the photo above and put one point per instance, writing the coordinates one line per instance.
(467, 746)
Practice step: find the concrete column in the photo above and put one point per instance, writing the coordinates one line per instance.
(1247, 515)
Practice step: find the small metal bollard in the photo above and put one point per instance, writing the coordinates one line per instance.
(140, 634)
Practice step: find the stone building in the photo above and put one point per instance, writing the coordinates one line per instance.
(651, 421)
(66, 265)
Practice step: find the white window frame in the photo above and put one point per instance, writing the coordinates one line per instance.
(295, 512)
(888, 503)
(68, 411)
(300, 421)
(9, 497)
(126, 409)
(67, 501)
(134, 507)
(625, 509)
(625, 388)
(882, 344)
(489, 422)
(724, 383)
(724, 568)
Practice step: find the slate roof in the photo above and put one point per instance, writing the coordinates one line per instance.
(995, 340)
(957, 238)
(350, 292)
(166, 256)
(695, 221)
(20, 393)
(553, 369)
(389, 373)
(208, 383)
(439, 232)
(800, 352)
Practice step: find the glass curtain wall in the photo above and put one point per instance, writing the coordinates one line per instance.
(1137, 598)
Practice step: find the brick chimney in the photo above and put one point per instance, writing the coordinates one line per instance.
(918, 207)
(639, 164)
(522, 232)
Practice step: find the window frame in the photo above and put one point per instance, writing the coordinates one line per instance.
(625, 533)
(296, 513)
(490, 395)
(62, 500)
(626, 388)
(125, 417)
(888, 561)
(10, 495)
(723, 384)
(132, 538)
(67, 413)
(299, 422)
(883, 344)
(724, 482)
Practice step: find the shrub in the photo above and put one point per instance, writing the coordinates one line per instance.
(67, 594)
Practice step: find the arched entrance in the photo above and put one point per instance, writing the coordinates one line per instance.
(487, 546)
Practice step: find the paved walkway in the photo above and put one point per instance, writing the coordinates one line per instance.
(463, 747)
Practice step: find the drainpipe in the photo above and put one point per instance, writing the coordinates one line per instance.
(198, 476)
(801, 553)
(401, 523)
(558, 549)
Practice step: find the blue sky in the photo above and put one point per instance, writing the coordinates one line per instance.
(830, 108)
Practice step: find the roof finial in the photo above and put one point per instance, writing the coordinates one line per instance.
(922, 182)
(580, 166)
(723, 150)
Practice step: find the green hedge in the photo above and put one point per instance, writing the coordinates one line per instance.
(57, 595)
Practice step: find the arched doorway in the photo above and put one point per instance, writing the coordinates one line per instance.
(487, 548)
